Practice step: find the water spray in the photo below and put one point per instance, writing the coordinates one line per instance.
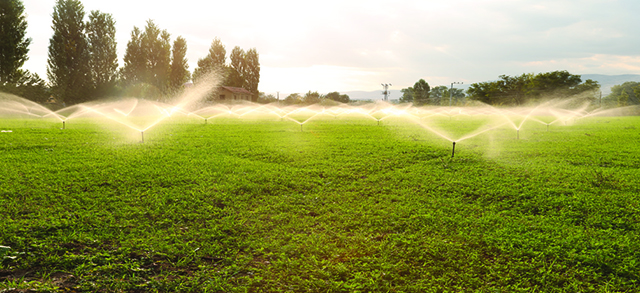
(453, 150)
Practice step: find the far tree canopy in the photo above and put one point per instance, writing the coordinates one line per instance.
(625, 94)
(517, 90)
(336, 96)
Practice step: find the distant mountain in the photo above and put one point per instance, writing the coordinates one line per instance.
(605, 81)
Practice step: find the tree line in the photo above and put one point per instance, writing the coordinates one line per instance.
(526, 88)
(507, 90)
(306, 99)
(422, 94)
(625, 94)
(82, 63)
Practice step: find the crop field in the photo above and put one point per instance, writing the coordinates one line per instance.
(346, 204)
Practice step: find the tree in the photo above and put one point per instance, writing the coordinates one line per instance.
(336, 96)
(516, 89)
(291, 99)
(251, 72)
(156, 47)
(14, 46)
(555, 82)
(31, 87)
(443, 95)
(407, 95)
(439, 94)
(236, 78)
(265, 99)
(588, 85)
(521, 89)
(68, 62)
(103, 57)
(215, 60)
(134, 60)
(421, 92)
(627, 93)
(148, 59)
(312, 98)
(623, 99)
(179, 67)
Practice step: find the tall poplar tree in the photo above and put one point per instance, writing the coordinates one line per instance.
(236, 71)
(134, 60)
(103, 61)
(148, 58)
(215, 60)
(14, 45)
(179, 67)
(251, 72)
(68, 62)
(156, 47)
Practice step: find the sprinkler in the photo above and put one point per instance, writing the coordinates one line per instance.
(517, 133)
(378, 122)
(142, 136)
(547, 127)
(301, 127)
(205, 120)
(63, 126)
(453, 150)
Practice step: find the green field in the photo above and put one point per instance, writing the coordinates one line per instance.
(343, 206)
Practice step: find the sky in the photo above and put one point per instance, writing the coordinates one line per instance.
(357, 45)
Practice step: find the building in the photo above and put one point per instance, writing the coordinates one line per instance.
(229, 93)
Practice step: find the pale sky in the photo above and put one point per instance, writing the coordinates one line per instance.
(352, 45)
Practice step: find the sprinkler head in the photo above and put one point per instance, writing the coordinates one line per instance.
(453, 150)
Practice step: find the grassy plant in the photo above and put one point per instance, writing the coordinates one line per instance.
(345, 205)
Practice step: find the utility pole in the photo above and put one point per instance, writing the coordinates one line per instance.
(601, 99)
(385, 92)
(451, 91)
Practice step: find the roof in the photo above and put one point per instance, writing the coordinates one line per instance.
(238, 90)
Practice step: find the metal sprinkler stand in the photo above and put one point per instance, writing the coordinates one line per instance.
(453, 151)
(63, 126)
(142, 136)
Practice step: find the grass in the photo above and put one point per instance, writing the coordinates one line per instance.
(343, 206)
